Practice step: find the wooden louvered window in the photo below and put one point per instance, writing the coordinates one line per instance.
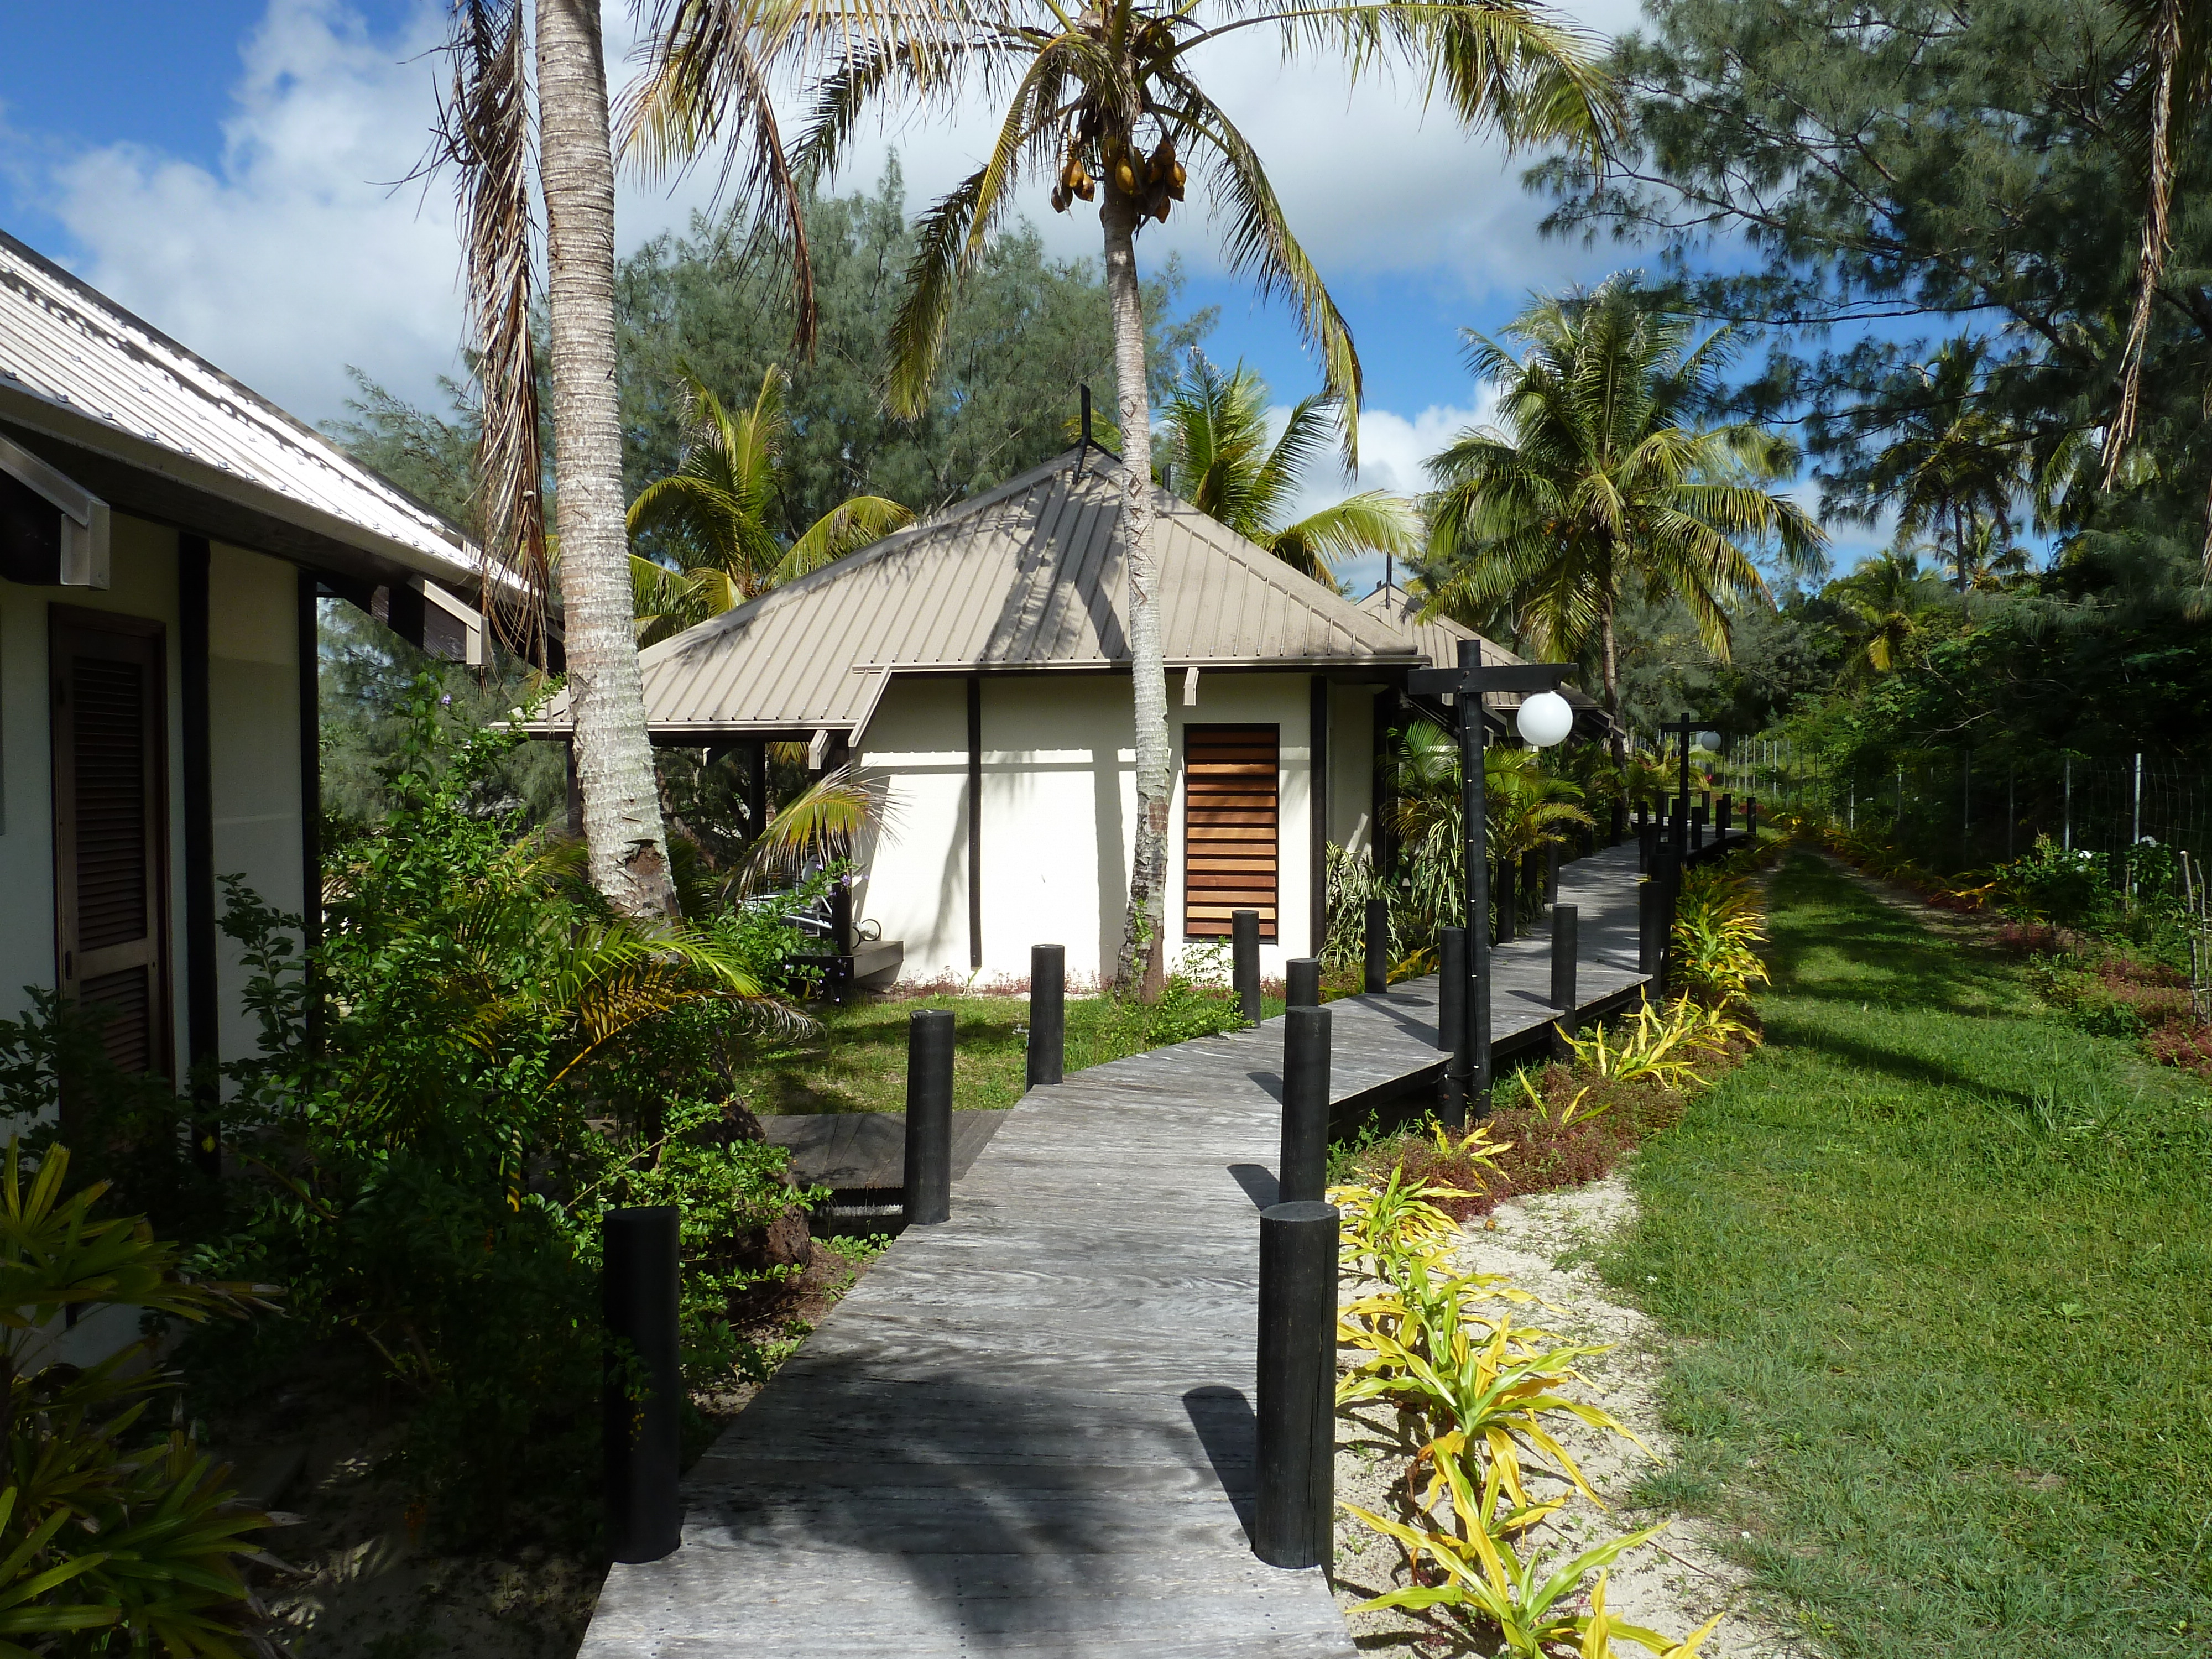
(111, 830)
(1231, 795)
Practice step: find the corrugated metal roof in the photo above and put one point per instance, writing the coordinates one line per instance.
(67, 347)
(1027, 576)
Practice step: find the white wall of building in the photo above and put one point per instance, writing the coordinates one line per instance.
(254, 750)
(1059, 809)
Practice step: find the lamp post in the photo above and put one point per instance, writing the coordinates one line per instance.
(1545, 719)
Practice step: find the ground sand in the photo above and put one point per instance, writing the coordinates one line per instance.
(1543, 1244)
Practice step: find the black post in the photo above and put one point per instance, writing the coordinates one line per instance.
(1647, 906)
(1298, 1384)
(1751, 817)
(1566, 941)
(1302, 1174)
(1244, 960)
(929, 1116)
(1302, 982)
(202, 1014)
(1048, 1057)
(1727, 811)
(1452, 1026)
(1697, 828)
(1508, 901)
(1642, 842)
(1475, 826)
(643, 1435)
(1616, 823)
(1377, 979)
(1551, 872)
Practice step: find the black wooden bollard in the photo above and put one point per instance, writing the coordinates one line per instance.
(1616, 823)
(1566, 942)
(1377, 978)
(929, 1116)
(1642, 843)
(643, 1435)
(1728, 812)
(1647, 907)
(1244, 961)
(1451, 1026)
(1552, 873)
(1304, 1171)
(1697, 828)
(1503, 893)
(1302, 982)
(1586, 840)
(1047, 1015)
(1298, 1384)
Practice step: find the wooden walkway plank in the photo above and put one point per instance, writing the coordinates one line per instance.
(1027, 1433)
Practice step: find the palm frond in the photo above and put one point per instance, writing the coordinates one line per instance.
(845, 528)
(817, 828)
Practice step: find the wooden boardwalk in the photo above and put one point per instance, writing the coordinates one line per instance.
(1029, 1430)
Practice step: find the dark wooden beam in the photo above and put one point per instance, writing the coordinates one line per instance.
(1317, 838)
(309, 636)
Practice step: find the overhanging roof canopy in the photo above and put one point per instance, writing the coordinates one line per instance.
(1027, 577)
(156, 431)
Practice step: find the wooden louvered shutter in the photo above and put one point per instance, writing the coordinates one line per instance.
(111, 830)
(1230, 779)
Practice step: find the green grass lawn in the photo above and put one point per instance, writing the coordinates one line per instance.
(856, 1061)
(1941, 1269)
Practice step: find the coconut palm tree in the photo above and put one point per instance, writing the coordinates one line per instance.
(710, 66)
(1222, 465)
(712, 515)
(1106, 102)
(1952, 466)
(1595, 488)
(1887, 605)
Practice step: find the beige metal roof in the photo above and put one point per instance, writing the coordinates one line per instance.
(1026, 577)
(1437, 638)
(75, 365)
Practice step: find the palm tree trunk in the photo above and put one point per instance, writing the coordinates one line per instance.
(1140, 966)
(1612, 669)
(606, 695)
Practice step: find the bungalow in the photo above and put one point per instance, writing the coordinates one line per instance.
(977, 664)
(164, 536)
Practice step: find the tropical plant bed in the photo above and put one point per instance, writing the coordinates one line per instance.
(1934, 1267)
(854, 1059)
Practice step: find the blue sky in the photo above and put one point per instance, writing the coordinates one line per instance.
(225, 168)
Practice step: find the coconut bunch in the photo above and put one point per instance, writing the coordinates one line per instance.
(1153, 181)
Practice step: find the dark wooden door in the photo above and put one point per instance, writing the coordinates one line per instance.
(1230, 787)
(111, 830)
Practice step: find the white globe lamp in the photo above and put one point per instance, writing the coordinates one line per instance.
(1710, 741)
(1545, 719)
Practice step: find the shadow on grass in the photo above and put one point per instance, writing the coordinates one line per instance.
(1832, 941)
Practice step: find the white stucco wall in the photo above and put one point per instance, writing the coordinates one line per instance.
(1059, 806)
(254, 748)
(253, 706)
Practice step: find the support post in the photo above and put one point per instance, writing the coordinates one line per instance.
(1616, 823)
(1551, 872)
(1296, 1385)
(1317, 817)
(1475, 824)
(1302, 1172)
(1302, 982)
(1244, 961)
(1728, 812)
(1452, 1026)
(1047, 1056)
(929, 1116)
(1566, 942)
(1378, 977)
(841, 939)
(1508, 903)
(1647, 907)
(1642, 842)
(639, 1296)
(974, 821)
(307, 636)
(201, 1013)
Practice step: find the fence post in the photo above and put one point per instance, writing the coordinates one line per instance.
(1451, 1026)
(1503, 895)
(1377, 979)
(1302, 1172)
(1647, 904)
(1551, 872)
(1297, 1385)
(1567, 944)
(929, 1116)
(1048, 1056)
(1616, 823)
(639, 1297)
(1643, 841)
(1244, 961)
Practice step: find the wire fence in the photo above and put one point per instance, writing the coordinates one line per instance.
(1954, 810)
